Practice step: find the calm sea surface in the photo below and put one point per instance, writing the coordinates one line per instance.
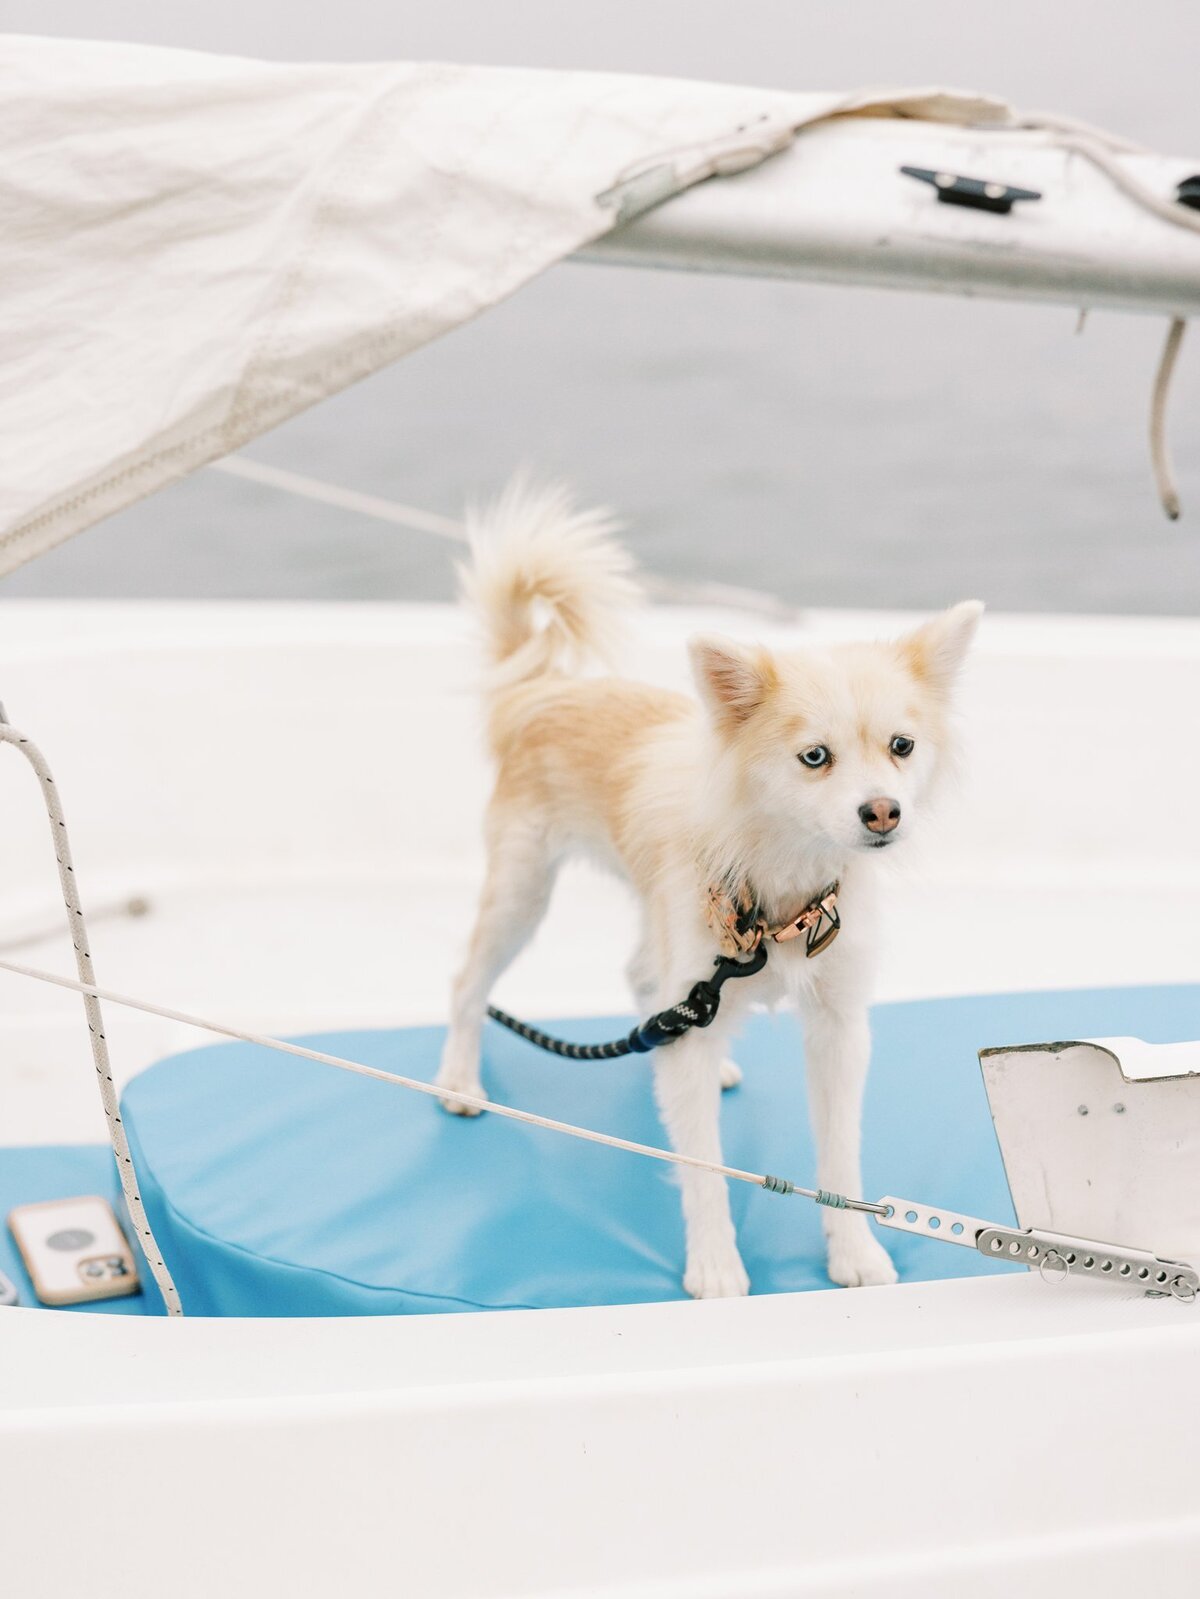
(833, 446)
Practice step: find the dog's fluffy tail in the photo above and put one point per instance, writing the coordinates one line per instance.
(547, 581)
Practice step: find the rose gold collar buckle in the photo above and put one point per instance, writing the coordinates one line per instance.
(819, 920)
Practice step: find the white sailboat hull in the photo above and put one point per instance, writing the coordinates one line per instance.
(295, 790)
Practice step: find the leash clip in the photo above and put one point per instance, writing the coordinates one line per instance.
(738, 965)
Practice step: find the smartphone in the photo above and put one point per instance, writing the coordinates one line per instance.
(74, 1250)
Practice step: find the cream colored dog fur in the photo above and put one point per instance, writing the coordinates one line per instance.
(794, 769)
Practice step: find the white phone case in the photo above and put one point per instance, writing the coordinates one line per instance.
(74, 1250)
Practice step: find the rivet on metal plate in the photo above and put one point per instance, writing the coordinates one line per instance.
(1053, 1267)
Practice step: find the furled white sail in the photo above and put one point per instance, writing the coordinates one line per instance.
(194, 248)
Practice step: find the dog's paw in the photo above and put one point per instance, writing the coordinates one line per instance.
(860, 1263)
(459, 1082)
(731, 1073)
(457, 1108)
(719, 1275)
(458, 1073)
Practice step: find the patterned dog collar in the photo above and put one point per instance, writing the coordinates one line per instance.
(741, 926)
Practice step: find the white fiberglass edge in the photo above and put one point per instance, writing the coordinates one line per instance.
(708, 1449)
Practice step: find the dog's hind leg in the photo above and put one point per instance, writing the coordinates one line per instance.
(520, 876)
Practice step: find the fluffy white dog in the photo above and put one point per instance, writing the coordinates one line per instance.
(795, 770)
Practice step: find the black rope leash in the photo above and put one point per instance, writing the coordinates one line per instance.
(697, 1010)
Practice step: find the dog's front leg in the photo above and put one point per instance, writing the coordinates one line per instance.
(687, 1086)
(837, 1051)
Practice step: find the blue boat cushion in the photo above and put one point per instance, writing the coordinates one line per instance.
(280, 1187)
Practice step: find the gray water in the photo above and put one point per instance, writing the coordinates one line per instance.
(834, 446)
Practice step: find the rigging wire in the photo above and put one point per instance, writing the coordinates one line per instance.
(776, 1185)
(397, 514)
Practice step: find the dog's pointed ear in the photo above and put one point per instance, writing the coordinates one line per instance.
(733, 680)
(936, 651)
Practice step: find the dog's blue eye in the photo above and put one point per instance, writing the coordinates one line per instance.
(901, 745)
(815, 757)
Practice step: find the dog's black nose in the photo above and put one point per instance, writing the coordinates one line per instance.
(880, 815)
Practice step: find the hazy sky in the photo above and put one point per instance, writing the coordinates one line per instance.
(840, 446)
(1125, 66)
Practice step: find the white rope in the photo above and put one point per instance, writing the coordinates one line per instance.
(728, 595)
(130, 907)
(311, 488)
(1055, 122)
(398, 514)
(77, 931)
(1103, 155)
(1102, 150)
(1160, 453)
(265, 1041)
